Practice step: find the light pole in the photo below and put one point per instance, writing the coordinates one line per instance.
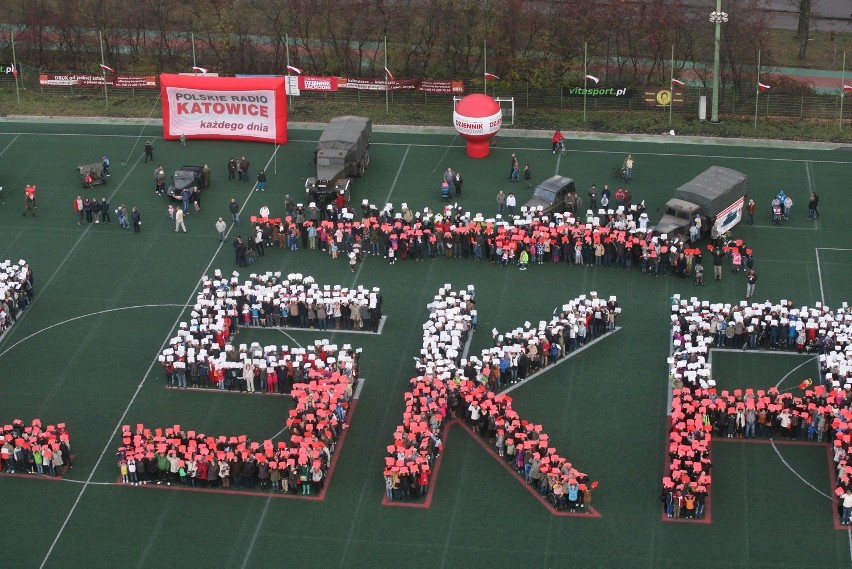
(717, 18)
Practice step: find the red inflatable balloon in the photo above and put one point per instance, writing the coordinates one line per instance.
(477, 119)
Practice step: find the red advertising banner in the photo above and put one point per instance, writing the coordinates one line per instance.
(91, 80)
(314, 83)
(224, 108)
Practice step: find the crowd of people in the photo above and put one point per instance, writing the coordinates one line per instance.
(615, 237)
(815, 411)
(173, 456)
(16, 291)
(449, 386)
(202, 353)
(34, 449)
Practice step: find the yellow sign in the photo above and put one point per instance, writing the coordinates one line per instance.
(664, 97)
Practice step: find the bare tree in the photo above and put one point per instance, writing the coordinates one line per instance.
(803, 30)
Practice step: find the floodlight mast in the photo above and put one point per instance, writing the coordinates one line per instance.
(717, 18)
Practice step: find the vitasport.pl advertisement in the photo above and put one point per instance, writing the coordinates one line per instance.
(224, 108)
(580, 91)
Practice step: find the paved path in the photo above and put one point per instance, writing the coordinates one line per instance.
(829, 15)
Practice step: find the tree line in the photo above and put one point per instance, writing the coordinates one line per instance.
(540, 43)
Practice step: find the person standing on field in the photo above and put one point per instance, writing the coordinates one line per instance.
(29, 200)
(136, 218)
(813, 204)
(628, 167)
(515, 171)
(751, 279)
(221, 227)
(78, 208)
(244, 168)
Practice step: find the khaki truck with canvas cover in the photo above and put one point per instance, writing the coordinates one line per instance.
(343, 152)
(717, 196)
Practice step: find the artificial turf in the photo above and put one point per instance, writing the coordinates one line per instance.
(107, 300)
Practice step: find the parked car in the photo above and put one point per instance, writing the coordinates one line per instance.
(184, 177)
(550, 194)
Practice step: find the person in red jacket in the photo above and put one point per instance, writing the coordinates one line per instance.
(423, 479)
(558, 138)
(29, 200)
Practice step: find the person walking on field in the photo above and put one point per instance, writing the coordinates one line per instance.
(751, 279)
(179, 220)
(149, 151)
(515, 171)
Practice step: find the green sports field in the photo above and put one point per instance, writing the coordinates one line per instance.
(107, 300)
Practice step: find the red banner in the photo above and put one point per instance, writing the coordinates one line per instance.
(90, 80)
(224, 108)
(314, 83)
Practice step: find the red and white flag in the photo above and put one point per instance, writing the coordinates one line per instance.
(199, 69)
(593, 79)
(847, 88)
(15, 70)
(488, 75)
(106, 68)
(678, 83)
(763, 86)
(389, 74)
(295, 70)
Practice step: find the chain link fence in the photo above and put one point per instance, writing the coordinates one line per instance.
(731, 102)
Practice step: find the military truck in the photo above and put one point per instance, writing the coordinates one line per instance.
(343, 151)
(716, 196)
